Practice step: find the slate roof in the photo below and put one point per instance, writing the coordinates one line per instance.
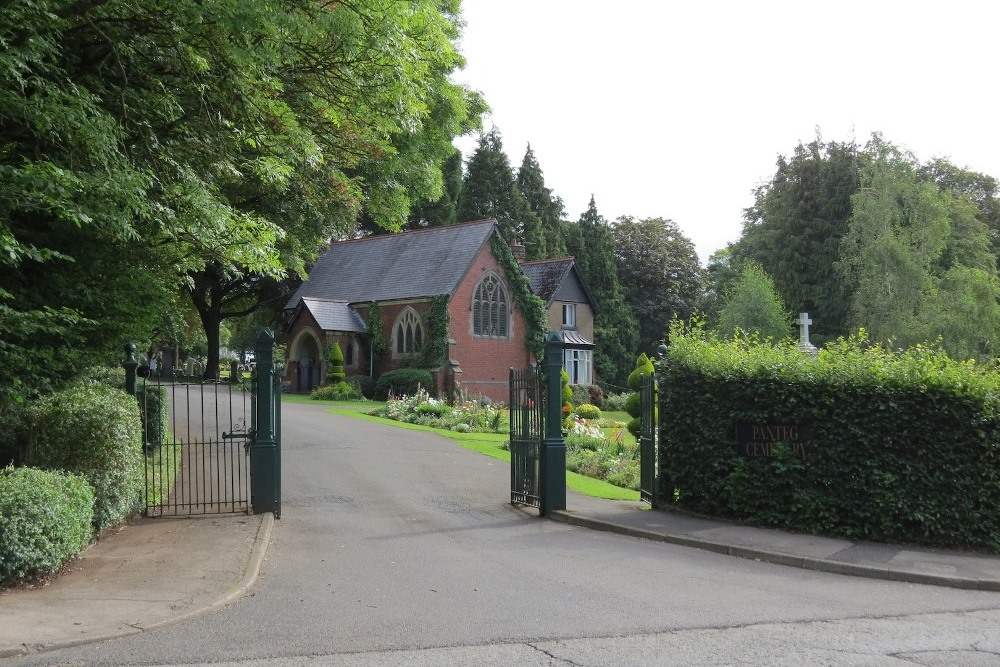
(546, 275)
(334, 315)
(410, 265)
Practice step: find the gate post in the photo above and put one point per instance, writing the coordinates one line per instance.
(553, 463)
(265, 469)
(130, 364)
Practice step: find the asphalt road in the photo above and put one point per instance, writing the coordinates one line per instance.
(398, 547)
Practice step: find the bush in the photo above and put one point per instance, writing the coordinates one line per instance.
(567, 393)
(13, 434)
(94, 431)
(154, 410)
(45, 518)
(615, 402)
(580, 394)
(403, 382)
(588, 411)
(364, 384)
(596, 395)
(342, 391)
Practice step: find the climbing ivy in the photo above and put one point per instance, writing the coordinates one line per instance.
(435, 350)
(532, 307)
(376, 331)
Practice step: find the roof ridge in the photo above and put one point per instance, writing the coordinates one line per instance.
(409, 232)
(567, 258)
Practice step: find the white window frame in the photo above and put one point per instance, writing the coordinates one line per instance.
(579, 365)
(569, 315)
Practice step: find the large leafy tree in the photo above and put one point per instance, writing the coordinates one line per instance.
(591, 243)
(227, 139)
(490, 191)
(795, 227)
(919, 259)
(659, 271)
(443, 210)
(548, 209)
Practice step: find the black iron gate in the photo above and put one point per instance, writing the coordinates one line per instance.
(210, 447)
(196, 442)
(527, 429)
(649, 475)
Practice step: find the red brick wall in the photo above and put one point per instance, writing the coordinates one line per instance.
(485, 363)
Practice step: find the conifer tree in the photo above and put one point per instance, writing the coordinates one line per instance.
(547, 209)
(490, 191)
(752, 305)
(615, 329)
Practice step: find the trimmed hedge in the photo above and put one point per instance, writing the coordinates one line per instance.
(901, 447)
(45, 519)
(403, 381)
(95, 431)
(342, 391)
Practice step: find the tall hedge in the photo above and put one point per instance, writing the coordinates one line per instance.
(901, 447)
(95, 431)
(404, 381)
(45, 518)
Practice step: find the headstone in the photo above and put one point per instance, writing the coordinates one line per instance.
(803, 321)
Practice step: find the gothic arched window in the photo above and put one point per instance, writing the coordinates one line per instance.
(490, 309)
(408, 332)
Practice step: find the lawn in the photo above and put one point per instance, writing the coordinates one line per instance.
(490, 444)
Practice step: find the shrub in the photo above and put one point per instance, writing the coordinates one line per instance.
(567, 393)
(403, 382)
(588, 411)
(616, 402)
(45, 518)
(113, 376)
(335, 373)
(13, 434)
(580, 395)
(364, 384)
(596, 395)
(154, 410)
(633, 404)
(94, 431)
(342, 391)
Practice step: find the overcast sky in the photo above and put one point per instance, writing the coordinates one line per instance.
(679, 110)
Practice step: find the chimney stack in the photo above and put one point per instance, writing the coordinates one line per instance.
(517, 249)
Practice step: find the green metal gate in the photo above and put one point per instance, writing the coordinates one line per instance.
(649, 477)
(210, 447)
(527, 429)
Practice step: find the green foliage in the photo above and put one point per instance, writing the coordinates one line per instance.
(753, 306)
(633, 405)
(904, 446)
(532, 308)
(403, 382)
(341, 391)
(363, 384)
(795, 227)
(659, 272)
(567, 392)
(643, 366)
(335, 370)
(616, 331)
(94, 431)
(544, 238)
(490, 191)
(434, 351)
(154, 409)
(588, 411)
(616, 402)
(469, 417)
(376, 331)
(45, 519)
(583, 393)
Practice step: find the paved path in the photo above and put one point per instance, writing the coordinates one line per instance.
(397, 547)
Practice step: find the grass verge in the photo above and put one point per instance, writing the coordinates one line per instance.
(162, 464)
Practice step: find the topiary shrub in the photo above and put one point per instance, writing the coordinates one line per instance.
(403, 381)
(94, 431)
(643, 367)
(335, 374)
(567, 393)
(588, 411)
(45, 518)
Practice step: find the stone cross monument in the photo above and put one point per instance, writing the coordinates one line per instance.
(804, 343)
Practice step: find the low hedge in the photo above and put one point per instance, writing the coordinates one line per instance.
(403, 382)
(95, 431)
(45, 519)
(895, 447)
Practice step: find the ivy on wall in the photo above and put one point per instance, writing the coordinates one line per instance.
(376, 332)
(532, 307)
(435, 350)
